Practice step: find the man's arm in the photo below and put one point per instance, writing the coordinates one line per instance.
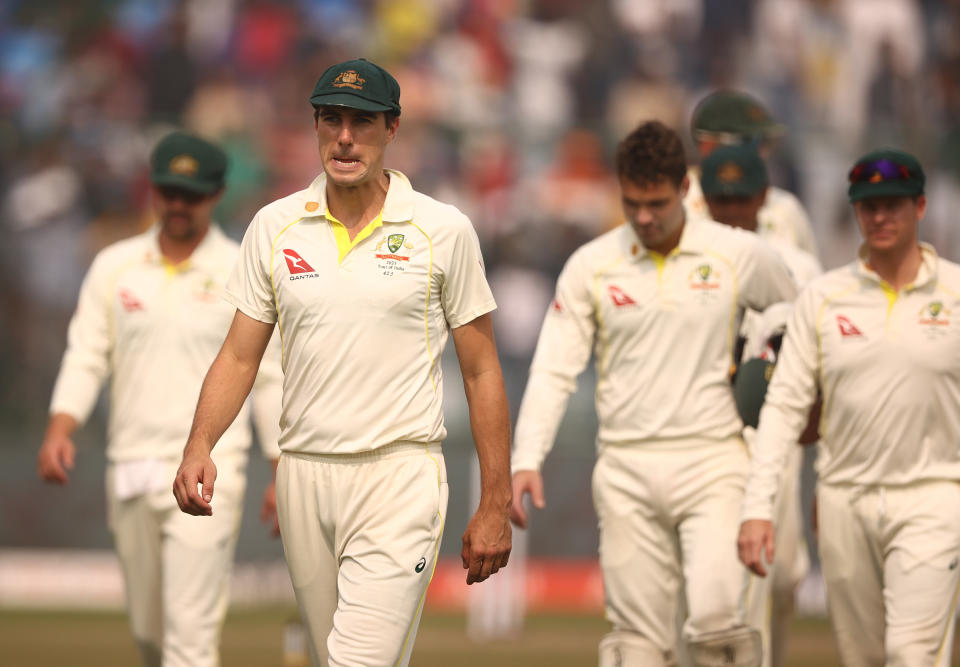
(267, 402)
(486, 541)
(224, 390)
(57, 453)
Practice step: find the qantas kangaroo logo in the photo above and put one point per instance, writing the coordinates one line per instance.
(619, 297)
(847, 328)
(295, 262)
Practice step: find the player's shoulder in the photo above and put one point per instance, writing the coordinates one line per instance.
(803, 265)
(782, 198)
(712, 236)
(948, 274)
(437, 217)
(833, 283)
(126, 250)
(603, 251)
(281, 212)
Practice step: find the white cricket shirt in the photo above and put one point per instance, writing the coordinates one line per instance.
(781, 216)
(888, 365)
(662, 332)
(155, 328)
(362, 323)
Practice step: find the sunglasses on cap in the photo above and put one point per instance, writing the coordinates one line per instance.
(172, 192)
(879, 171)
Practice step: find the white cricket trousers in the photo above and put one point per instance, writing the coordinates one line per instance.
(177, 567)
(669, 514)
(361, 534)
(771, 600)
(890, 559)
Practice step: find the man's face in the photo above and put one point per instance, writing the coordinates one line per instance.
(655, 211)
(184, 214)
(889, 223)
(737, 210)
(352, 143)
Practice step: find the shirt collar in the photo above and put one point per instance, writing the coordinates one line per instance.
(692, 239)
(398, 206)
(925, 274)
(201, 255)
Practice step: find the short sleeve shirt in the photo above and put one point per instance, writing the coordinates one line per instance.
(363, 324)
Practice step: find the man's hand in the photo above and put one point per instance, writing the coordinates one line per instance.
(268, 509)
(526, 481)
(486, 544)
(755, 542)
(196, 468)
(56, 458)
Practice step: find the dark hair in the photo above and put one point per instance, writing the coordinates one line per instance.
(388, 116)
(651, 153)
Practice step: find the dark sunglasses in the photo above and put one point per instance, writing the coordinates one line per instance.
(172, 192)
(879, 171)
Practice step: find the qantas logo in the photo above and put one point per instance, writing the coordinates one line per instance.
(129, 301)
(847, 328)
(296, 263)
(619, 297)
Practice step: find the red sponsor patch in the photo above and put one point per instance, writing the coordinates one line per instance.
(619, 297)
(398, 257)
(129, 302)
(295, 262)
(847, 328)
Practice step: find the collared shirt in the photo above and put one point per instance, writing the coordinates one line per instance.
(782, 215)
(888, 366)
(155, 328)
(662, 332)
(363, 323)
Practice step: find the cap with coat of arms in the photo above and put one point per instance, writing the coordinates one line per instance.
(189, 162)
(733, 171)
(357, 84)
(737, 115)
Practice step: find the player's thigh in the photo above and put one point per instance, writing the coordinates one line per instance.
(715, 579)
(639, 557)
(921, 574)
(391, 522)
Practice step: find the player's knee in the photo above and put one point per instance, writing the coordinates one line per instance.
(629, 649)
(739, 646)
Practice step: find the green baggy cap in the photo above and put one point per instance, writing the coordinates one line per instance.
(733, 170)
(729, 112)
(189, 162)
(886, 173)
(358, 84)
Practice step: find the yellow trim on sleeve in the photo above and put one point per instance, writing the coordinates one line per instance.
(342, 236)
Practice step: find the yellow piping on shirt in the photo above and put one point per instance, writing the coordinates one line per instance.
(602, 333)
(891, 295)
(825, 400)
(732, 330)
(660, 261)
(426, 303)
(276, 298)
(436, 554)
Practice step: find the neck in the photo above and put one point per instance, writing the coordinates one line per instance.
(356, 206)
(899, 266)
(178, 250)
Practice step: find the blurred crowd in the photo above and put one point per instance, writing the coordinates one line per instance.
(511, 110)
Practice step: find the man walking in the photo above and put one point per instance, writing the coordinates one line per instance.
(657, 302)
(879, 340)
(365, 278)
(151, 318)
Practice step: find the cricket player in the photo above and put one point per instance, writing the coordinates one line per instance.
(735, 187)
(365, 278)
(151, 318)
(730, 117)
(880, 339)
(658, 302)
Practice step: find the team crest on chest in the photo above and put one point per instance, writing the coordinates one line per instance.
(704, 277)
(934, 314)
(392, 254)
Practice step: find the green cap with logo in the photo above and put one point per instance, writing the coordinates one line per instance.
(185, 161)
(733, 171)
(733, 117)
(358, 84)
(886, 173)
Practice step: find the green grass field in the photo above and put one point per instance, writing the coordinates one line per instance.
(254, 638)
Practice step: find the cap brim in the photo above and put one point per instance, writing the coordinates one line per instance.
(186, 183)
(860, 191)
(348, 100)
(732, 191)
